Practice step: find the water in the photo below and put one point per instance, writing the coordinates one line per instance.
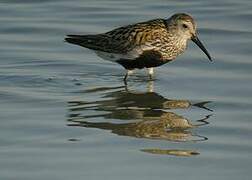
(66, 115)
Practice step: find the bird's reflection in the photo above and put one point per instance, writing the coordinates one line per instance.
(166, 126)
(174, 152)
(148, 115)
(121, 99)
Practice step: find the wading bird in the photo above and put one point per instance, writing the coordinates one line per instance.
(143, 45)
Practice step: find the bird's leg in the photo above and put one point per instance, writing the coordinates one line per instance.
(150, 86)
(151, 72)
(129, 72)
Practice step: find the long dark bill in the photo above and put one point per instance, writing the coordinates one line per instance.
(196, 40)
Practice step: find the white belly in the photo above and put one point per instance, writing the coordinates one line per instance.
(131, 55)
(112, 56)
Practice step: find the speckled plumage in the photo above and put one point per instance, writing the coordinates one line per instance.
(145, 44)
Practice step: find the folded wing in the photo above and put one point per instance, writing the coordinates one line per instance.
(124, 39)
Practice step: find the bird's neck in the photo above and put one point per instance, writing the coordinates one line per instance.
(178, 39)
(181, 42)
(175, 46)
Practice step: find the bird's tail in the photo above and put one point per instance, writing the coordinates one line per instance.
(76, 39)
(98, 42)
(95, 42)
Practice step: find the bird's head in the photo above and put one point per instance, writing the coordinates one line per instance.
(184, 26)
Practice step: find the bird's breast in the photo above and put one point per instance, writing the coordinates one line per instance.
(172, 48)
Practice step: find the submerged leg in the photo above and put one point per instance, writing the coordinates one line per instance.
(150, 86)
(129, 72)
(151, 72)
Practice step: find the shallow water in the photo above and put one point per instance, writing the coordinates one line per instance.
(66, 115)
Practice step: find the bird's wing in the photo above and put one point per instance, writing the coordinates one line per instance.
(99, 42)
(123, 39)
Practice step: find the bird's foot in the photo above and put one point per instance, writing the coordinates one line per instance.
(151, 77)
(129, 72)
(125, 79)
(151, 74)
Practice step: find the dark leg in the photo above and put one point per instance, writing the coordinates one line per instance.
(125, 79)
(150, 73)
(129, 72)
(151, 77)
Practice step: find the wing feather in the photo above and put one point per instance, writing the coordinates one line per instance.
(124, 39)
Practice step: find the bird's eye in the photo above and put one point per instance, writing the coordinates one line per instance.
(185, 26)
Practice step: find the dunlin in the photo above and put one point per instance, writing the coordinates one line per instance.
(143, 45)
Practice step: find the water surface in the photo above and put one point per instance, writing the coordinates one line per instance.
(65, 113)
